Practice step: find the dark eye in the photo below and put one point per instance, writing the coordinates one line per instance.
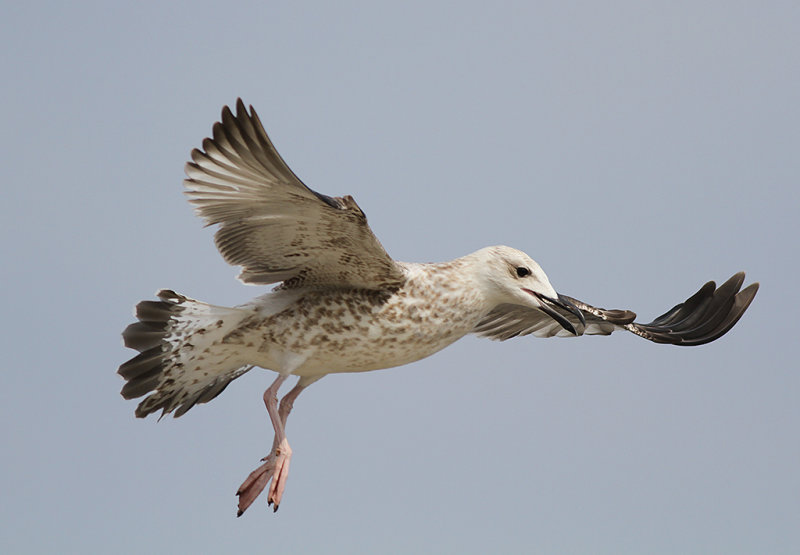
(522, 271)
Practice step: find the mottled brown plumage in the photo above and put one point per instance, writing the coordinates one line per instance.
(342, 303)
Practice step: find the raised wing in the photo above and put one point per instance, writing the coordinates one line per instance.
(705, 316)
(274, 226)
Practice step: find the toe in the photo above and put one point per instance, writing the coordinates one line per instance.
(252, 487)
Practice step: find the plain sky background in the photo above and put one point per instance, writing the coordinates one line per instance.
(634, 149)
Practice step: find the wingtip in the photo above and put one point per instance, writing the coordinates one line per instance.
(748, 293)
(218, 129)
(244, 110)
(704, 317)
(735, 281)
(227, 113)
(741, 274)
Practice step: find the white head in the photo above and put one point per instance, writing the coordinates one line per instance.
(511, 276)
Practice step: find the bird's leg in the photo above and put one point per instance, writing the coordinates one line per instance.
(276, 464)
(282, 450)
(260, 477)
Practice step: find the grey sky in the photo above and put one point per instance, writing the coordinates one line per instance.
(635, 150)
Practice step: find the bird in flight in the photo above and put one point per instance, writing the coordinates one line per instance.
(342, 304)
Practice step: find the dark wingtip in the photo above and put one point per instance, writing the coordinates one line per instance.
(735, 281)
(702, 318)
(752, 287)
(242, 110)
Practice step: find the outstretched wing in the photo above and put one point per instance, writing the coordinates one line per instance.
(705, 316)
(274, 226)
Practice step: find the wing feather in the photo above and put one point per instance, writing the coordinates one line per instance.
(705, 316)
(274, 226)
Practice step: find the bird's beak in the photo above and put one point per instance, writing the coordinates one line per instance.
(547, 304)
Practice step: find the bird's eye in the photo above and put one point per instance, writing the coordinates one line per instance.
(522, 271)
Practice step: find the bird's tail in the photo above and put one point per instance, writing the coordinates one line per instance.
(182, 357)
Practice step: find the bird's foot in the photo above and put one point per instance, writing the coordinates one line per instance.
(275, 468)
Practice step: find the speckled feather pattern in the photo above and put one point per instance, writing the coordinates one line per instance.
(310, 332)
(339, 330)
(342, 304)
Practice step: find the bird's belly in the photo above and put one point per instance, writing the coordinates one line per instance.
(324, 352)
(362, 354)
(306, 344)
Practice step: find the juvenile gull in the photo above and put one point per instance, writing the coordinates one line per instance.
(343, 305)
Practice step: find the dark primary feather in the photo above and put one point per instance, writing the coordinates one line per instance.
(705, 316)
(274, 226)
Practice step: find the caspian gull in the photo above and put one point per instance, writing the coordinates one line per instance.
(344, 305)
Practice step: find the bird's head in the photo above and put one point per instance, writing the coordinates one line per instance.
(511, 276)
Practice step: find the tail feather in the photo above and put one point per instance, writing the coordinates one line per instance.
(143, 372)
(144, 335)
(182, 358)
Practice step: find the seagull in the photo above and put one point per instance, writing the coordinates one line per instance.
(342, 304)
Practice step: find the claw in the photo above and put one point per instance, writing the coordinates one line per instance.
(274, 472)
(252, 487)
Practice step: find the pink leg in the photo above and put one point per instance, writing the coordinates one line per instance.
(276, 464)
